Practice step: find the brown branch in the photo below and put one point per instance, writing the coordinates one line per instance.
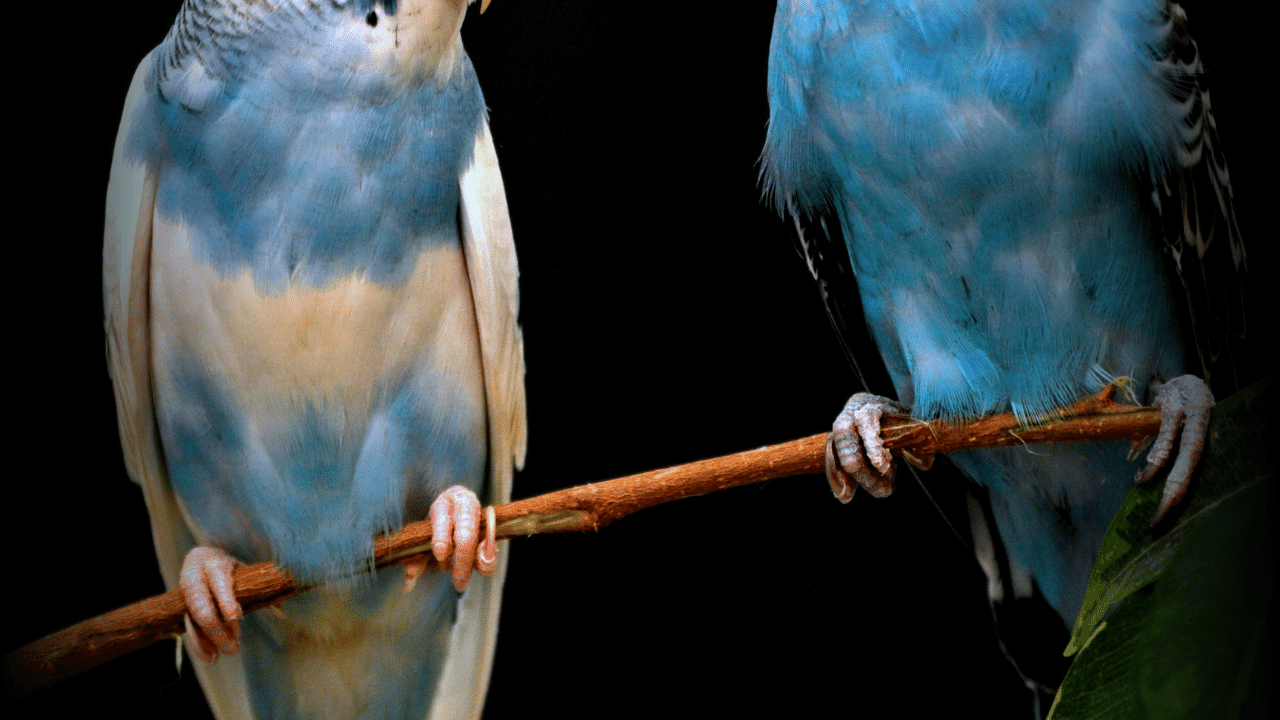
(587, 507)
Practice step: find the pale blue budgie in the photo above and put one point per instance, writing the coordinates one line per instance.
(311, 309)
(1006, 181)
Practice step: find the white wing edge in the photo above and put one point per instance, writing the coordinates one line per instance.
(126, 260)
(490, 254)
(126, 255)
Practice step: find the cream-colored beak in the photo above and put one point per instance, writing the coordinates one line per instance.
(484, 5)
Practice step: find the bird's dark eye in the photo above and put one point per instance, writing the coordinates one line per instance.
(372, 18)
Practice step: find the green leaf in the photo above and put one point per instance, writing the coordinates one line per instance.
(1103, 680)
(1240, 451)
(1189, 637)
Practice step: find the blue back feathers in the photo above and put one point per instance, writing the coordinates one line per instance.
(987, 163)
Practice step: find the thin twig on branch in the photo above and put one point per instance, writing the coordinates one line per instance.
(587, 507)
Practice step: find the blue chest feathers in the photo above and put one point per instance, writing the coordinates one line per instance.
(302, 174)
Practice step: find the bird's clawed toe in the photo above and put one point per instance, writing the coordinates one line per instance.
(1185, 403)
(856, 451)
(213, 613)
(455, 531)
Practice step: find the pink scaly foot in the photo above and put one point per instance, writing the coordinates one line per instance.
(855, 450)
(1184, 403)
(213, 613)
(455, 538)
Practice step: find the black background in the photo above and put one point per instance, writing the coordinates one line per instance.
(667, 319)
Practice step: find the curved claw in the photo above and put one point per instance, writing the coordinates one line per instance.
(413, 569)
(1184, 404)
(213, 613)
(841, 484)
(455, 525)
(487, 551)
(855, 449)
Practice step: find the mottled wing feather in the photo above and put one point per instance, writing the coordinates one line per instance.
(491, 265)
(1193, 201)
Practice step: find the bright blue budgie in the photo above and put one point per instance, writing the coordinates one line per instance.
(1005, 180)
(311, 308)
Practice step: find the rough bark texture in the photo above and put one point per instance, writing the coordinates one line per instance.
(577, 509)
